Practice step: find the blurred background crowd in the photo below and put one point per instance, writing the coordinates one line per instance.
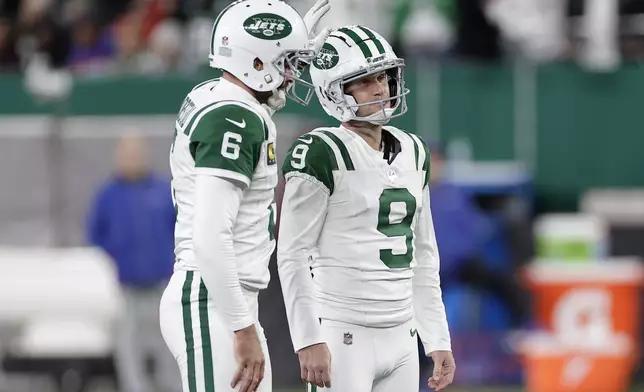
(532, 111)
(99, 37)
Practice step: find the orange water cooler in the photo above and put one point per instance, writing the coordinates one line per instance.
(590, 312)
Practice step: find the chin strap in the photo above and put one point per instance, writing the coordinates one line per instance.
(277, 100)
(379, 118)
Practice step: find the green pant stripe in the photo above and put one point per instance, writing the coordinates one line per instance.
(372, 36)
(343, 150)
(359, 41)
(204, 327)
(187, 330)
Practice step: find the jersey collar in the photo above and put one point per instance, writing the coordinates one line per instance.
(234, 92)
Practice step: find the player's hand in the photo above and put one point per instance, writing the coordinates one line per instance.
(313, 16)
(311, 20)
(444, 368)
(315, 43)
(315, 365)
(250, 360)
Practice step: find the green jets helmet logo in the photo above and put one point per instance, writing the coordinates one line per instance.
(268, 26)
(327, 58)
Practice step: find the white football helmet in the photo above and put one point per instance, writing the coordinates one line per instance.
(259, 41)
(351, 53)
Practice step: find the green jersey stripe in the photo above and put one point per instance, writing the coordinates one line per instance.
(186, 131)
(187, 330)
(265, 128)
(427, 164)
(338, 161)
(204, 83)
(423, 158)
(417, 150)
(348, 163)
(257, 114)
(357, 40)
(416, 155)
(204, 327)
(376, 41)
(250, 108)
(213, 105)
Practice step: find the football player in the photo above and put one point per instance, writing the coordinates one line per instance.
(223, 178)
(357, 253)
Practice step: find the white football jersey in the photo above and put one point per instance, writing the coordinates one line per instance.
(362, 262)
(223, 130)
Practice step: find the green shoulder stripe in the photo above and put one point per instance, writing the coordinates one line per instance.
(426, 164)
(417, 146)
(312, 156)
(193, 116)
(204, 83)
(416, 153)
(228, 137)
(348, 162)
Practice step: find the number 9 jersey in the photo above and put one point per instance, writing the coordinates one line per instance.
(363, 233)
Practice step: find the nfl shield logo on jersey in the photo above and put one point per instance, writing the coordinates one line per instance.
(348, 338)
(391, 173)
(224, 41)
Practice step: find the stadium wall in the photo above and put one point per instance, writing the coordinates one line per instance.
(576, 130)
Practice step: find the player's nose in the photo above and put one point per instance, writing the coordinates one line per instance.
(379, 90)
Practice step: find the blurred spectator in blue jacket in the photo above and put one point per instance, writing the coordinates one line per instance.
(462, 230)
(132, 220)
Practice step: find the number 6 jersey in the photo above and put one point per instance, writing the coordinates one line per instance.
(363, 226)
(222, 130)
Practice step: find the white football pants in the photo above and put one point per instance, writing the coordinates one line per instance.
(200, 342)
(367, 359)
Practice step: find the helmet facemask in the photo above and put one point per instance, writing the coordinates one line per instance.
(292, 65)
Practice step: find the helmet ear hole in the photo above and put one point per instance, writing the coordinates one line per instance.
(258, 64)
